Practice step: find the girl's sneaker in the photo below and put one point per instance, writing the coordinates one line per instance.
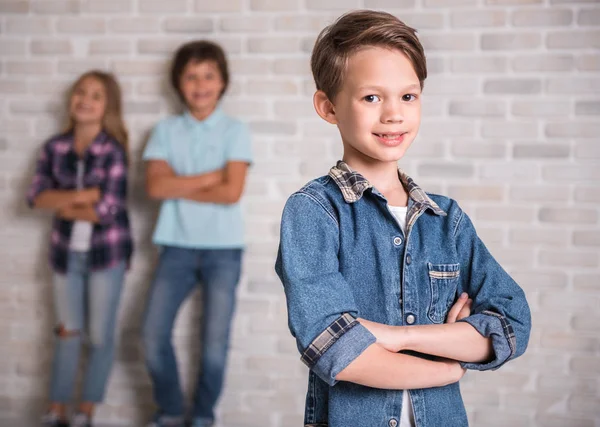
(51, 419)
(81, 420)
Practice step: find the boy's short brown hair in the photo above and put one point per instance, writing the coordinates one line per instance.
(198, 51)
(353, 31)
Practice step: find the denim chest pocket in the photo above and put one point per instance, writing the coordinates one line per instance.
(443, 281)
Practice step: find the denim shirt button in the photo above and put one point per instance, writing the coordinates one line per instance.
(408, 259)
(410, 319)
(393, 423)
(397, 241)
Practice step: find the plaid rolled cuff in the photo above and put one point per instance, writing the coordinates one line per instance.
(327, 338)
(508, 330)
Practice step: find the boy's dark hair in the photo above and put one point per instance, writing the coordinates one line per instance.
(354, 31)
(198, 51)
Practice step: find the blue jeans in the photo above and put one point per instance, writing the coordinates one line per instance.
(85, 298)
(178, 272)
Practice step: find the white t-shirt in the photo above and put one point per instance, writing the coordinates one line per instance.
(81, 234)
(407, 416)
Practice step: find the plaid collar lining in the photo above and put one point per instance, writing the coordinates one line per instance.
(353, 185)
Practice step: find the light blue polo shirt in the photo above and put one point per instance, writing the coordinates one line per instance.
(194, 147)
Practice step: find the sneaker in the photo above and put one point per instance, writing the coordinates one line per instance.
(51, 419)
(81, 420)
(201, 422)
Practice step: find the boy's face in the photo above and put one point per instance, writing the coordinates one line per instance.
(378, 108)
(201, 85)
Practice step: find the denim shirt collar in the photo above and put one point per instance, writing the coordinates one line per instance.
(353, 185)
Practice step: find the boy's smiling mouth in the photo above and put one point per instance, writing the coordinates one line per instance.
(390, 139)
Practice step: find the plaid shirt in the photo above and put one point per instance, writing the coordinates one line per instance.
(106, 168)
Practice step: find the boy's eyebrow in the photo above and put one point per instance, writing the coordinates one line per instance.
(413, 86)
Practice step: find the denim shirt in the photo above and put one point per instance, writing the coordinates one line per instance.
(343, 256)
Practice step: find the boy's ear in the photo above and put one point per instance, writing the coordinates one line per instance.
(324, 107)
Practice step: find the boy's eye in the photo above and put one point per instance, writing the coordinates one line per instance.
(409, 97)
(372, 98)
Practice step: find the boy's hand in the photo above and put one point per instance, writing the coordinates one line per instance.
(460, 309)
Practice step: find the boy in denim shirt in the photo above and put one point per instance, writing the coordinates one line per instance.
(373, 266)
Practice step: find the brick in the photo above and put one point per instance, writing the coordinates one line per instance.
(32, 107)
(586, 282)
(448, 42)
(299, 109)
(141, 107)
(587, 150)
(568, 215)
(135, 68)
(422, 21)
(107, 6)
(221, 6)
(573, 85)
(585, 364)
(477, 108)
(542, 18)
(29, 67)
(512, 2)
(241, 108)
(568, 259)
(477, 65)
(537, 151)
(505, 214)
(12, 86)
(478, 149)
(545, 280)
(446, 170)
(587, 108)
(159, 6)
(158, 46)
(332, 4)
(571, 173)
(293, 66)
(110, 47)
(449, 3)
(510, 41)
(505, 129)
(56, 7)
(534, 237)
(295, 23)
(446, 129)
(588, 17)
(450, 86)
(540, 108)
(274, 5)
(51, 47)
(81, 25)
(561, 340)
(389, 4)
(587, 194)
(271, 87)
(14, 6)
(273, 127)
(135, 25)
(28, 26)
(476, 193)
(241, 24)
(176, 24)
(589, 62)
(435, 65)
(273, 45)
(573, 40)
(572, 129)
(537, 193)
(79, 66)
(586, 238)
(545, 62)
(12, 47)
(478, 18)
(513, 86)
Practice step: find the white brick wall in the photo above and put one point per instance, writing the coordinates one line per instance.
(511, 129)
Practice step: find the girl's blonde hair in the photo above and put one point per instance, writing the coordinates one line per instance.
(112, 122)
